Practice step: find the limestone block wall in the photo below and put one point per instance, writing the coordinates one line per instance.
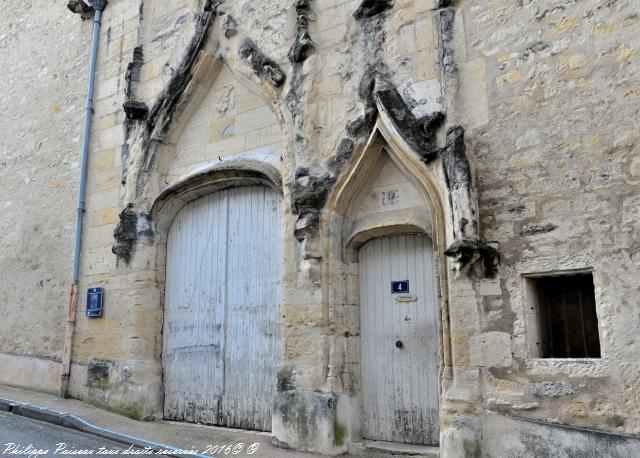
(556, 162)
(231, 121)
(546, 94)
(43, 59)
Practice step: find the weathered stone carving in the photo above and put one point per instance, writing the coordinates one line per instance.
(467, 248)
(448, 68)
(134, 110)
(420, 134)
(80, 7)
(463, 198)
(265, 68)
(133, 226)
(468, 251)
(303, 45)
(309, 193)
(160, 117)
(229, 25)
(161, 113)
(212, 5)
(370, 8)
(132, 76)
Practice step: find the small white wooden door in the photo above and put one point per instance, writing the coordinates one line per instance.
(399, 340)
(222, 307)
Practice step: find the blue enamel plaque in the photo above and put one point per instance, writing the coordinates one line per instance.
(94, 302)
(400, 287)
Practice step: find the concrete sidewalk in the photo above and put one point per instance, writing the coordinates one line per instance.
(178, 435)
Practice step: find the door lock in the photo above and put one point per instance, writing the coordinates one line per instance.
(399, 344)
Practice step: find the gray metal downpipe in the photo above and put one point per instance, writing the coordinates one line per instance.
(98, 6)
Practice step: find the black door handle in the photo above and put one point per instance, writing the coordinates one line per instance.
(399, 344)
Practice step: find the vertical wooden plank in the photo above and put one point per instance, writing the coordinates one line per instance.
(222, 309)
(253, 307)
(190, 348)
(400, 386)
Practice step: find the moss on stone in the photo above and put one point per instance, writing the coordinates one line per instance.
(339, 434)
(471, 449)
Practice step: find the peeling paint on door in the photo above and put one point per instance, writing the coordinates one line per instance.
(399, 341)
(221, 332)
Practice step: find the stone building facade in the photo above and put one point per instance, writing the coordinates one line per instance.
(504, 133)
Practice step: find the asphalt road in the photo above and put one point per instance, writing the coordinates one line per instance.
(18, 433)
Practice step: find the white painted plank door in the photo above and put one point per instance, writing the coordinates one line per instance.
(193, 352)
(253, 307)
(399, 385)
(222, 304)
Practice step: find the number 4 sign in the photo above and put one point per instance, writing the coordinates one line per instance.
(400, 287)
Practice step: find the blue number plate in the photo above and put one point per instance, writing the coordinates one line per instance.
(94, 302)
(400, 287)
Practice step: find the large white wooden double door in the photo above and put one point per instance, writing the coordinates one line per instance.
(399, 340)
(221, 343)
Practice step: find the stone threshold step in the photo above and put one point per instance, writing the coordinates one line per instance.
(383, 449)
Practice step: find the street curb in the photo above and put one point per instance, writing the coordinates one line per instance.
(67, 420)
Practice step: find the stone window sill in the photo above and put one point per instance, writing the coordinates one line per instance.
(580, 367)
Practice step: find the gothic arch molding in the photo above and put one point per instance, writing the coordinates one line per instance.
(386, 141)
(153, 138)
(212, 179)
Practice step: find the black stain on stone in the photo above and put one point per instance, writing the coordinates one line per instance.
(126, 235)
(212, 5)
(343, 153)
(161, 114)
(306, 413)
(132, 75)
(135, 110)
(467, 251)
(80, 7)
(133, 226)
(229, 25)
(160, 117)
(370, 8)
(534, 229)
(265, 68)
(310, 191)
(375, 73)
(286, 379)
(355, 131)
(457, 171)
(277, 443)
(446, 22)
(98, 372)
(418, 133)
(303, 46)
(306, 224)
(534, 49)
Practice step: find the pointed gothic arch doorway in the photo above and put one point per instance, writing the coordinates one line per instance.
(388, 206)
